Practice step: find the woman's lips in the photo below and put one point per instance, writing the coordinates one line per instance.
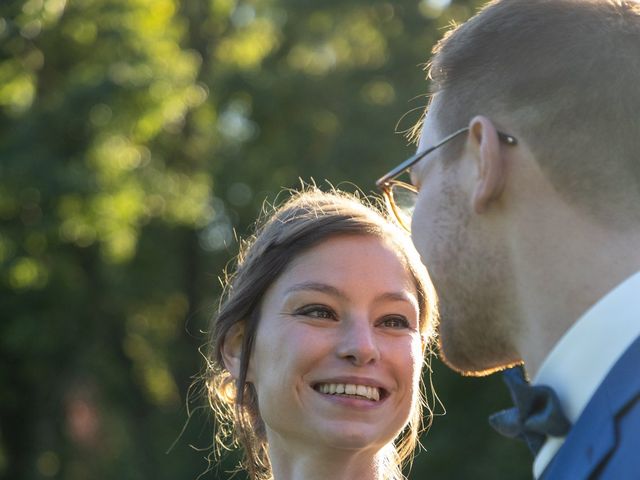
(349, 390)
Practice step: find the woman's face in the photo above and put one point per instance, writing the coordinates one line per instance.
(337, 353)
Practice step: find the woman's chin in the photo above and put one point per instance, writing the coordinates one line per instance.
(354, 437)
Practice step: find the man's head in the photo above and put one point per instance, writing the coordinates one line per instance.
(562, 76)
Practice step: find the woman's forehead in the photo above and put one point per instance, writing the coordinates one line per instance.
(366, 261)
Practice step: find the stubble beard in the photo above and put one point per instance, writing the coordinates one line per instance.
(469, 276)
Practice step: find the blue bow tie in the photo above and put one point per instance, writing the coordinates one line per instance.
(537, 412)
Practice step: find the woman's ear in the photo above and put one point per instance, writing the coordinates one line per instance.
(232, 349)
(491, 165)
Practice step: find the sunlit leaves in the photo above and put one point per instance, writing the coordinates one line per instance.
(114, 156)
(83, 32)
(115, 216)
(150, 330)
(248, 46)
(348, 41)
(17, 86)
(138, 51)
(378, 92)
(27, 273)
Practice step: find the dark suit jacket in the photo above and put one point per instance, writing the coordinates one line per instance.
(604, 443)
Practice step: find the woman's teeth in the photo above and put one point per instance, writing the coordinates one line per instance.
(371, 393)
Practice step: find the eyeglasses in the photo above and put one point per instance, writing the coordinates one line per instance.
(401, 197)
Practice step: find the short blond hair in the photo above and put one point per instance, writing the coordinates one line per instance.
(562, 75)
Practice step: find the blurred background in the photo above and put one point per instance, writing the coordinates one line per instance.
(137, 137)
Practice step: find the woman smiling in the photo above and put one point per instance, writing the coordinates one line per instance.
(317, 350)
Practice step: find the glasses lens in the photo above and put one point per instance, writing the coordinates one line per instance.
(404, 202)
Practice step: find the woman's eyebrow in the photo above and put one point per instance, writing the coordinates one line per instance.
(333, 291)
(317, 287)
(396, 297)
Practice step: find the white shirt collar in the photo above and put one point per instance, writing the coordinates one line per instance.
(580, 361)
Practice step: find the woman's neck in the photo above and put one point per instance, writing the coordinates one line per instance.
(319, 464)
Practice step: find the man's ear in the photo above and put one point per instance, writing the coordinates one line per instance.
(232, 349)
(491, 165)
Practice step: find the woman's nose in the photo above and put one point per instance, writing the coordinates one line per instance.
(358, 343)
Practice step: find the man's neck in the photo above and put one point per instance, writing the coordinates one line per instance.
(557, 285)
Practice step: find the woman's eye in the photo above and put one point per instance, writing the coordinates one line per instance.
(395, 321)
(316, 311)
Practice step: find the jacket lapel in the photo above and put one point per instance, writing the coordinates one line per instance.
(593, 435)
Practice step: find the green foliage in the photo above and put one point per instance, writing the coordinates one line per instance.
(135, 136)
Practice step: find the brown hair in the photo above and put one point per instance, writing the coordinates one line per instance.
(305, 220)
(563, 76)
